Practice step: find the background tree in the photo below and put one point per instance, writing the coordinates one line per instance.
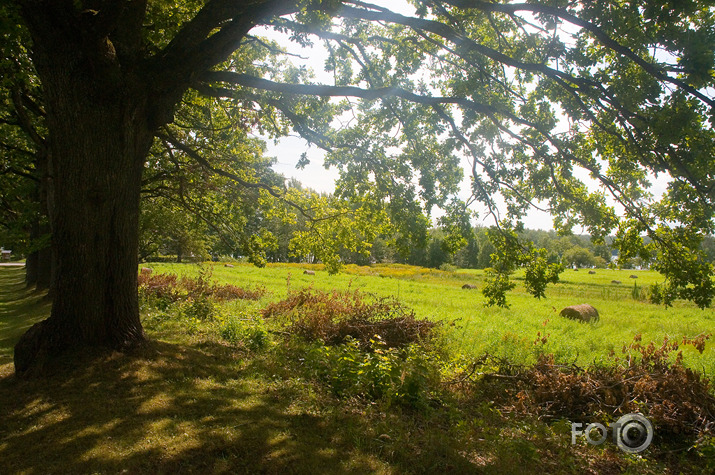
(166, 228)
(23, 154)
(578, 256)
(486, 249)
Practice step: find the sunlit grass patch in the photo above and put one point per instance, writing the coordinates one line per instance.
(473, 329)
(205, 399)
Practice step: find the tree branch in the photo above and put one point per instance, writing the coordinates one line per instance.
(597, 32)
(175, 142)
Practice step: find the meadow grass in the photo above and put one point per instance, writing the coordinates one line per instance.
(21, 308)
(189, 401)
(471, 329)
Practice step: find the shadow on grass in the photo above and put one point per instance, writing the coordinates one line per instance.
(204, 407)
(168, 408)
(165, 408)
(178, 407)
(20, 308)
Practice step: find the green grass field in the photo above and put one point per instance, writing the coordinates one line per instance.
(21, 307)
(189, 401)
(477, 329)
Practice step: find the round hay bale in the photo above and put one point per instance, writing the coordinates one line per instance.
(469, 286)
(584, 313)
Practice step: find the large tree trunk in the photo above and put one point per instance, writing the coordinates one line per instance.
(105, 95)
(99, 137)
(38, 266)
(45, 269)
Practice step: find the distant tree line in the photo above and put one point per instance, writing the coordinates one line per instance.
(260, 233)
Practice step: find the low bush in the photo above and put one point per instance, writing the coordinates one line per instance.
(448, 268)
(160, 289)
(231, 292)
(245, 329)
(405, 376)
(333, 317)
(199, 308)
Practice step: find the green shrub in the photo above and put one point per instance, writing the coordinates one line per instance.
(448, 267)
(192, 325)
(406, 376)
(250, 331)
(201, 308)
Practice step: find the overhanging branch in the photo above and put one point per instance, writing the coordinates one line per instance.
(598, 33)
(169, 137)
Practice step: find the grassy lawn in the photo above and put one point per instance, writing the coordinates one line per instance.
(438, 295)
(20, 308)
(191, 402)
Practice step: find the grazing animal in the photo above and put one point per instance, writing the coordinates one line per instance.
(615, 281)
(592, 272)
(228, 265)
(146, 270)
(469, 286)
(309, 272)
(634, 276)
(583, 313)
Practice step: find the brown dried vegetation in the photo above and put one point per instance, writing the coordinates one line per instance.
(647, 378)
(169, 287)
(334, 316)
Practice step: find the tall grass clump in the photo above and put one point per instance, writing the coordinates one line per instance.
(248, 330)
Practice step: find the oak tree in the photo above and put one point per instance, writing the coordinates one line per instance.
(556, 104)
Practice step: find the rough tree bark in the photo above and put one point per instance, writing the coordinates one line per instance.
(32, 261)
(100, 135)
(38, 266)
